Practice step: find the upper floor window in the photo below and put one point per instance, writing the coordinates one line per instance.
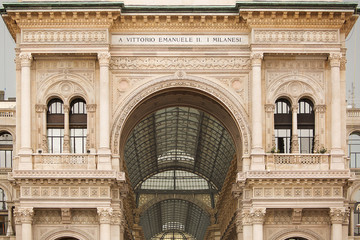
(6, 150)
(55, 126)
(354, 150)
(78, 126)
(306, 126)
(283, 123)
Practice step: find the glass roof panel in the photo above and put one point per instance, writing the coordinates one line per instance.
(173, 235)
(175, 180)
(174, 215)
(179, 138)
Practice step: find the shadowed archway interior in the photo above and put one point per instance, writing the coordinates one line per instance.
(178, 150)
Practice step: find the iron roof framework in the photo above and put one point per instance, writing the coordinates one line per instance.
(178, 150)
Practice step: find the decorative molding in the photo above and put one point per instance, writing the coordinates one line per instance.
(304, 174)
(246, 217)
(296, 215)
(84, 216)
(79, 192)
(297, 192)
(272, 36)
(291, 232)
(47, 216)
(256, 58)
(189, 23)
(66, 215)
(64, 36)
(176, 63)
(335, 59)
(24, 214)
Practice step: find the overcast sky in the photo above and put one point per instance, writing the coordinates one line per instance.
(7, 65)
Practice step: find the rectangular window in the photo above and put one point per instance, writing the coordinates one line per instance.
(55, 140)
(78, 140)
(306, 140)
(5, 158)
(283, 140)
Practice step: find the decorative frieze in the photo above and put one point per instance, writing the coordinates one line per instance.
(64, 192)
(84, 216)
(64, 36)
(297, 216)
(296, 36)
(297, 192)
(336, 175)
(176, 63)
(47, 216)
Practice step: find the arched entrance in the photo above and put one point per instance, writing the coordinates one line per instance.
(179, 145)
(67, 238)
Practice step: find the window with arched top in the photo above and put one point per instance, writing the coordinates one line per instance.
(55, 125)
(78, 126)
(6, 150)
(3, 213)
(354, 150)
(306, 126)
(283, 123)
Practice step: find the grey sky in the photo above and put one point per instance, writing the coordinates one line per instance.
(7, 65)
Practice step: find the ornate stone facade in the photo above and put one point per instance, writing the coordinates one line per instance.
(233, 62)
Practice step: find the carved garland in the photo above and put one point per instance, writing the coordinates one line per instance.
(169, 82)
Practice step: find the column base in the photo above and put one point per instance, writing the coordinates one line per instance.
(337, 159)
(25, 159)
(257, 159)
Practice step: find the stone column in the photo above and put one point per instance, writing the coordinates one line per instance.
(351, 225)
(337, 217)
(25, 215)
(269, 109)
(10, 230)
(319, 141)
(257, 151)
(116, 224)
(104, 112)
(247, 225)
(258, 217)
(25, 113)
(105, 214)
(66, 144)
(90, 139)
(294, 137)
(335, 103)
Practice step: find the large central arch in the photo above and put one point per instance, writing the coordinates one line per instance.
(200, 103)
(127, 114)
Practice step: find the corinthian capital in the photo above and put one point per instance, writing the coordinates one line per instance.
(256, 58)
(25, 59)
(335, 59)
(105, 214)
(337, 215)
(104, 58)
(258, 215)
(24, 214)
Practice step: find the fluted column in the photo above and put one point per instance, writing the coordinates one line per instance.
(25, 111)
(10, 230)
(352, 225)
(247, 224)
(294, 137)
(104, 112)
(337, 217)
(90, 139)
(66, 144)
(105, 215)
(258, 217)
(257, 151)
(25, 215)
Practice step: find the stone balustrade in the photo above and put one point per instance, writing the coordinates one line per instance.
(353, 116)
(297, 161)
(7, 113)
(64, 161)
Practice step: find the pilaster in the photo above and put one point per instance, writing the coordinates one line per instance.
(25, 216)
(258, 218)
(105, 215)
(337, 217)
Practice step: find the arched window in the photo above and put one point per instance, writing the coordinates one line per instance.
(55, 126)
(78, 126)
(283, 123)
(306, 126)
(354, 150)
(6, 149)
(3, 213)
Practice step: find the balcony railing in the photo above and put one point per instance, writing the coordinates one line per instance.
(297, 161)
(64, 161)
(353, 112)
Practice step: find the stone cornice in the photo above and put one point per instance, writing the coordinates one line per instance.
(67, 174)
(306, 174)
(282, 18)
